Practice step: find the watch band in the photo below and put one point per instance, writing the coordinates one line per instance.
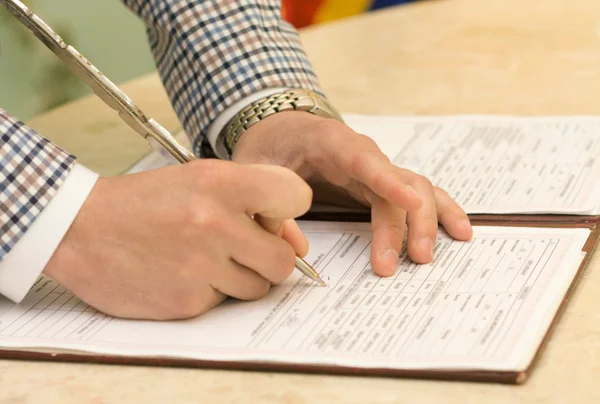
(288, 100)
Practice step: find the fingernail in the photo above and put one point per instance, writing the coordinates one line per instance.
(426, 245)
(390, 258)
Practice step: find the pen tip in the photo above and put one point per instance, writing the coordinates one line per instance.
(322, 282)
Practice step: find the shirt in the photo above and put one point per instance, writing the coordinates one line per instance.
(213, 56)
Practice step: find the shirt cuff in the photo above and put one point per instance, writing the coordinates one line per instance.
(21, 267)
(225, 116)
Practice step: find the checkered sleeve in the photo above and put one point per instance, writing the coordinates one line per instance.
(31, 171)
(213, 53)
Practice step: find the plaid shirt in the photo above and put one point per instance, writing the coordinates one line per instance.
(209, 53)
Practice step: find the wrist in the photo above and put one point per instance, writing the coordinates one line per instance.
(66, 266)
(281, 139)
(289, 100)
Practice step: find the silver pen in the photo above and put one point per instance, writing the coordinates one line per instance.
(159, 138)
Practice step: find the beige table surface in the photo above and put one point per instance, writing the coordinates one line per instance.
(442, 57)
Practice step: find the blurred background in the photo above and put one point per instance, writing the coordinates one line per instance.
(33, 80)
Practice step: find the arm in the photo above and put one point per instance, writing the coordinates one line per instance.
(105, 242)
(32, 236)
(212, 54)
(41, 191)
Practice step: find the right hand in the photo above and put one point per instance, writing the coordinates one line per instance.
(174, 242)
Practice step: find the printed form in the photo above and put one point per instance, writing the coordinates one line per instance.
(489, 164)
(493, 164)
(482, 304)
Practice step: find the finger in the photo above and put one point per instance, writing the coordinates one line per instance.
(293, 235)
(268, 255)
(287, 230)
(211, 299)
(272, 225)
(452, 216)
(388, 223)
(423, 225)
(328, 193)
(240, 282)
(363, 161)
(208, 299)
(202, 300)
(270, 191)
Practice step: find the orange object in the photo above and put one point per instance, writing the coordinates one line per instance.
(300, 13)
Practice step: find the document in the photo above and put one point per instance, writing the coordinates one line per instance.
(489, 164)
(493, 164)
(482, 304)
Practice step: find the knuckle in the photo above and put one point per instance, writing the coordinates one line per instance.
(368, 144)
(363, 160)
(366, 140)
(183, 301)
(441, 192)
(189, 308)
(209, 173)
(205, 218)
(377, 180)
(184, 305)
(398, 230)
(360, 162)
(191, 297)
(259, 289)
(331, 126)
(429, 217)
(423, 182)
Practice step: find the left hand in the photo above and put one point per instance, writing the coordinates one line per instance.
(331, 157)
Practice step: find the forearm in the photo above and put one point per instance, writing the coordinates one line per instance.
(212, 54)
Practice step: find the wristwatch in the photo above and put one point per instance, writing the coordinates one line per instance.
(288, 100)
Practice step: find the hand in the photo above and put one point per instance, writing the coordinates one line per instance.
(172, 243)
(327, 152)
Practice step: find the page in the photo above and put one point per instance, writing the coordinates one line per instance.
(482, 304)
(489, 164)
(494, 164)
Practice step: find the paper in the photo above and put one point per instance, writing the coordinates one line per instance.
(154, 160)
(489, 164)
(483, 304)
(493, 164)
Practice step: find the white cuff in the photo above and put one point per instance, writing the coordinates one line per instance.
(21, 267)
(225, 116)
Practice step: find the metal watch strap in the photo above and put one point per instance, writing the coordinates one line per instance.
(288, 100)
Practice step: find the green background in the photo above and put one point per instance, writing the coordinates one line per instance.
(33, 80)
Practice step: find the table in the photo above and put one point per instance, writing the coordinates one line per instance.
(438, 57)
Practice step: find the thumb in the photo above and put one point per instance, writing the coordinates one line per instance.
(271, 191)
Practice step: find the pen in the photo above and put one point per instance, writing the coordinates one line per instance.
(159, 138)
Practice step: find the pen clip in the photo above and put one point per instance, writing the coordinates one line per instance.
(159, 138)
(176, 154)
